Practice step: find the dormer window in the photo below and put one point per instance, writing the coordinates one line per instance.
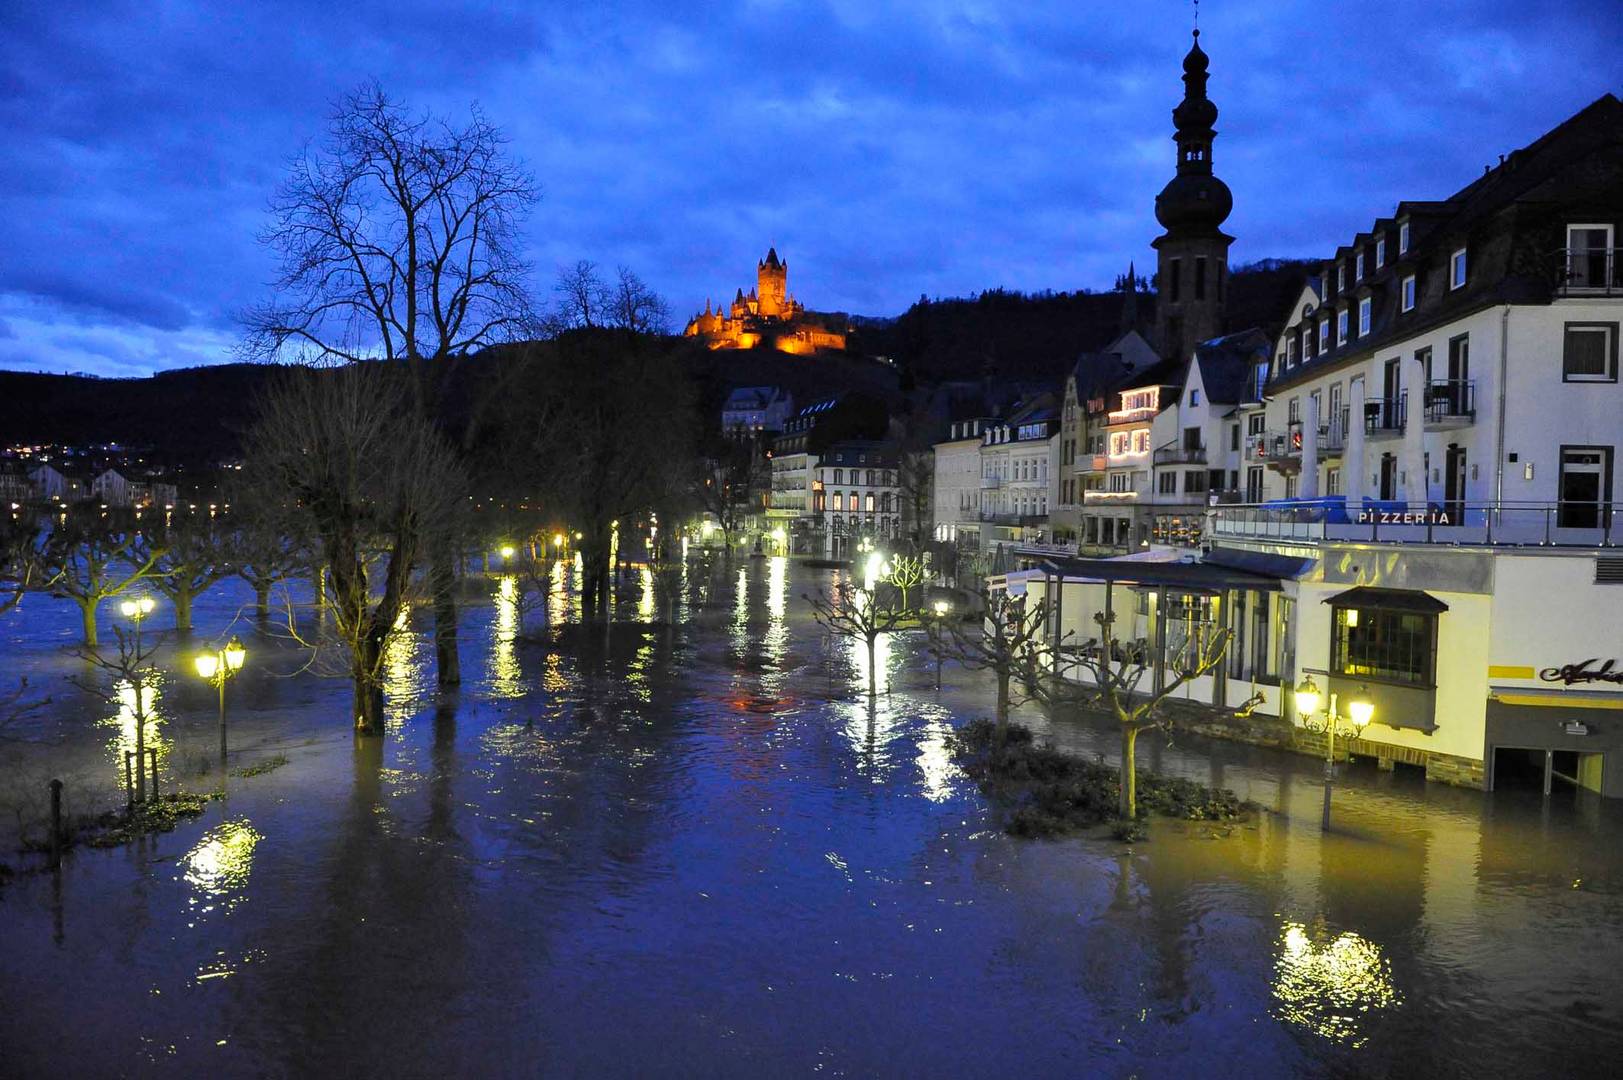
(1341, 277)
(1324, 333)
(1290, 351)
(1380, 253)
(1341, 327)
(1403, 238)
(1358, 267)
(1456, 270)
(1408, 293)
(1363, 316)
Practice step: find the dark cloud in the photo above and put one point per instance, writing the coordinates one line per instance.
(888, 150)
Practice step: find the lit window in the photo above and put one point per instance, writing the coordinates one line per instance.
(1363, 316)
(1456, 270)
(1408, 293)
(1403, 238)
(1380, 253)
(1194, 397)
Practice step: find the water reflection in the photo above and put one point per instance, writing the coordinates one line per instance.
(936, 768)
(405, 672)
(1331, 985)
(217, 867)
(123, 723)
(506, 678)
(645, 598)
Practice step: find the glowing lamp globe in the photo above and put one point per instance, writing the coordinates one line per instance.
(1307, 697)
(941, 608)
(1360, 708)
(234, 654)
(507, 551)
(129, 609)
(207, 665)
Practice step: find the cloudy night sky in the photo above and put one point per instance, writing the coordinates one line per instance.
(887, 149)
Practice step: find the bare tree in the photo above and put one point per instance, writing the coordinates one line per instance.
(585, 301)
(725, 481)
(19, 560)
(186, 554)
(261, 550)
(400, 239)
(1117, 669)
(637, 307)
(377, 486)
(1005, 641)
(133, 670)
(907, 572)
(88, 558)
(849, 611)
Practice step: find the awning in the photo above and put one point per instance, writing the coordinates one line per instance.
(1184, 576)
(1366, 596)
(1555, 699)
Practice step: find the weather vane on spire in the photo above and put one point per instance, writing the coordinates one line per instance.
(1197, 18)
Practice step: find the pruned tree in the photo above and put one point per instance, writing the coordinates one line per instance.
(132, 670)
(89, 557)
(377, 486)
(1006, 641)
(262, 548)
(186, 553)
(400, 239)
(850, 611)
(1118, 668)
(907, 572)
(19, 560)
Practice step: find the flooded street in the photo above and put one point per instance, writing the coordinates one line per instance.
(696, 851)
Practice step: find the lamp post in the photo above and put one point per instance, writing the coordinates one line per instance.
(940, 609)
(135, 609)
(218, 668)
(1360, 711)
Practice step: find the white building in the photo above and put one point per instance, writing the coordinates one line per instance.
(957, 484)
(856, 495)
(756, 410)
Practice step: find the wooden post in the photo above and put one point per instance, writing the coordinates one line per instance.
(129, 781)
(153, 750)
(56, 824)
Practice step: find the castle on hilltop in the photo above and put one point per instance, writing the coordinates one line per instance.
(769, 315)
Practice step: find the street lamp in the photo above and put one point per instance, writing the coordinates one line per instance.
(219, 667)
(507, 551)
(1360, 711)
(940, 608)
(135, 609)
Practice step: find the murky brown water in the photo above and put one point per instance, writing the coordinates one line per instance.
(698, 853)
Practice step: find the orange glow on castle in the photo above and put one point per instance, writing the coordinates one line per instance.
(769, 315)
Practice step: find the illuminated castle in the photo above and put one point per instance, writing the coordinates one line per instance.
(769, 315)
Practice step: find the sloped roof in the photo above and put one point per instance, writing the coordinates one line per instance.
(1226, 363)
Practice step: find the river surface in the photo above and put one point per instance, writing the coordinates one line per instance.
(696, 851)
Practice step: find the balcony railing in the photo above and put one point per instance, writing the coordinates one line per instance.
(1529, 524)
(1273, 446)
(1384, 416)
(1098, 462)
(1451, 402)
(1589, 271)
(1175, 454)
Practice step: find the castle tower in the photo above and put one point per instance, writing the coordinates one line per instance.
(772, 285)
(1192, 277)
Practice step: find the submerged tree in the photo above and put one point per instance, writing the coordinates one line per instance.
(89, 557)
(1004, 641)
(373, 481)
(850, 611)
(134, 674)
(263, 552)
(186, 554)
(1117, 668)
(727, 474)
(400, 239)
(907, 572)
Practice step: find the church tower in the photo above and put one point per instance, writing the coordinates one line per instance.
(772, 284)
(1192, 277)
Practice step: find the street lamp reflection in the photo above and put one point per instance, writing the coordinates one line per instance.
(1331, 985)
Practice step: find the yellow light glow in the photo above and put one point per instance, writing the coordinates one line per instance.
(128, 608)
(1307, 697)
(234, 654)
(1360, 708)
(941, 608)
(779, 535)
(207, 664)
(1351, 618)
(507, 551)
(1331, 985)
(557, 539)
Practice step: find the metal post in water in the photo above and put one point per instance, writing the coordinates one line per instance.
(56, 824)
(222, 709)
(154, 752)
(1329, 761)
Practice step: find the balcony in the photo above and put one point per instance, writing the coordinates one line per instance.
(1274, 447)
(1589, 271)
(1450, 403)
(1098, 462)
(1173, 454)
(1383, 417)
(1090, 498)
(1517, 524)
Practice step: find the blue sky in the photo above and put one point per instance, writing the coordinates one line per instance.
(887, 149)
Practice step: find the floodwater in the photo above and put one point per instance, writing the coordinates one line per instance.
(697, 852)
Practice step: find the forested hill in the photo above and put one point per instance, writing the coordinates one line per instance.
(1039, 335)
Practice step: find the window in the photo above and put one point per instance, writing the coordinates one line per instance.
(1254, 424)
(1166, 483)
(1194, 482)
(1332, 481)
(839, 476)
(1396, 646)
(1200, 279)
(1290, 351)
(1294, 411)
(1341, 277)
(1403, 238)
(1324, 333)
(1380, 253)
(1341, 327)
(1307, 342)
(1121, 481)
(1234, 436)
(1408, 293)
(1358, 267)
(1590, 353)
(1591, 260)
(1363, 317)
(1194, 397)
(1174, 270)
(1456, 270)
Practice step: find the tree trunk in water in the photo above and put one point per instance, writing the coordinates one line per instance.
(262, 600)
(87, 610)
(1129, 774)
(183, 613)
(140, 741)
(442, 573)
(368, 689)
(1000, 731)
(873, 675)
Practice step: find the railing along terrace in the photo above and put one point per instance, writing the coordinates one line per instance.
(1450, 399)
(1384, 416)
(1178, 454)
(1589, 271)
(1388, 521)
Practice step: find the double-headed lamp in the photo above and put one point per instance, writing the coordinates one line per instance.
(1307, 697)
(234, 654)
(207, 664)
(941, 608)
